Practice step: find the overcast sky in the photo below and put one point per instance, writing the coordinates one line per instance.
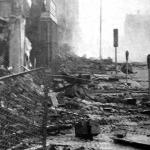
(113, 16)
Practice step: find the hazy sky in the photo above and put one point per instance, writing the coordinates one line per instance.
(113, 16)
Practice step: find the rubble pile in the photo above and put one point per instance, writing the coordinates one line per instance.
(70, 63)
(22, 110)
(70, 98)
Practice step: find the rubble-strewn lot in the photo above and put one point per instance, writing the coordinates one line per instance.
(118, 108)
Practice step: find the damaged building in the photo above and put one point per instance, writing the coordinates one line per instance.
(83, 106)
(42, 32)
(15, 44)
(32, 32)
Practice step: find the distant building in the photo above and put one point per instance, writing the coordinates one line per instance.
(137, 32)
(67, 15)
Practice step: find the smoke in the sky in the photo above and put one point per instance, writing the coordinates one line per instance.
(114, 13)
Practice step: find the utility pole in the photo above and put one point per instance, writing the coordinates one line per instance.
(100, 51)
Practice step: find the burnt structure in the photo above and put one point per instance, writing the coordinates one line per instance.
(41, 26)
(51, 25)
(14, 12)
(42, 31)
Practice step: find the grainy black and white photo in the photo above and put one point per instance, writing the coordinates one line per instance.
(74, 74)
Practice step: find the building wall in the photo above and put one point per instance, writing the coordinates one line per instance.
(42, 31)
(16, 12)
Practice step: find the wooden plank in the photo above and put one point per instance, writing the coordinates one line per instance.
(21, 73)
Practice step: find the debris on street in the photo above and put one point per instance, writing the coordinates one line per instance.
(52, 99)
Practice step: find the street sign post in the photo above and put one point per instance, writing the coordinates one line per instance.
(127, 66)
(115, 37)
(116, 45)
